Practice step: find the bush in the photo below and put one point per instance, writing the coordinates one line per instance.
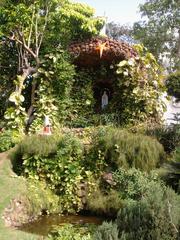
(171, 173)
(168, 136)
(69, 232)
(33, 147)
(107, 231)
(133, 184)
(59, 165)
(119, 148)
(128, 185)
(42, 199)
(40, 145)
(173, 85)
(6, 141)
(156, 216)
(107, 204)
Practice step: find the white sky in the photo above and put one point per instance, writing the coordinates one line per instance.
(122, 11)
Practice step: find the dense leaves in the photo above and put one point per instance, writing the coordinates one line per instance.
(155, 216)
(173, 85)
(34, 29)
(57, 161)
(119, 148)
(160, 27)
(138, 89)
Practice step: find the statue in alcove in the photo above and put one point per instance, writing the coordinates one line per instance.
(104, 100)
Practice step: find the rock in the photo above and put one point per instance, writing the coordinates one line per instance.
(108, 177)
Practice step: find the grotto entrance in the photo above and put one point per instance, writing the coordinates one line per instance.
(100, 87)
(95, 52)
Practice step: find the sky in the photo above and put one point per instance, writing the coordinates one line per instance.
(119, 11)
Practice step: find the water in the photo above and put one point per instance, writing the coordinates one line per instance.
(45, 224)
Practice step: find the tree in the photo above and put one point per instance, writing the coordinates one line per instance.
(160, 31)
(35, 29)
(173, 85)
(119, 32)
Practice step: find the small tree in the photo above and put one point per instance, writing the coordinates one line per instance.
(34, 28)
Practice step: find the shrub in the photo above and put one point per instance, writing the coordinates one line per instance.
(107, 231)
(173, 84)
(133, 184)
(119, 148)
(156, 216)
(107, 204)
(69, 232)
(40, 145)
(33, 147)
(6, 141)
(60, 165)
(168, 136)
(171, 173)
(42, 199)
(128, 185)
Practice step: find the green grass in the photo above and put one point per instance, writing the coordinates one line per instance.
(10, 186)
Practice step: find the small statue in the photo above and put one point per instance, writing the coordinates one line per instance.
(104, 100)
(47, 126)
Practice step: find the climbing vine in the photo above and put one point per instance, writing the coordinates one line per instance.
(138, 88)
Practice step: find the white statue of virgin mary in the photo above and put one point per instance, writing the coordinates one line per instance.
(104, 100)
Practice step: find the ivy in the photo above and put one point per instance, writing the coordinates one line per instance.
(138, 88)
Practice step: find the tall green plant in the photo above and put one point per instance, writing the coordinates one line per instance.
(138, 89)
(58, 162)
(119, 148)
(35, 28)
(106, 231)
(82, 99)
(156, 216)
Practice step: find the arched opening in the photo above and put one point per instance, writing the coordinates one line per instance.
(101, 86)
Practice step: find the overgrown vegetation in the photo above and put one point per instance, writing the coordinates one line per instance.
(130, 174)
(168, 136)
(58, 162)
(120, 148)
(173, 85)
(9, 138)
(138, 88)
(156, 216)
(70, 232)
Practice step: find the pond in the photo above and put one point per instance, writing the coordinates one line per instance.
(45, 224)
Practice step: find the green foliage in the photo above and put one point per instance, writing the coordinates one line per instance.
(119, 148)
(35, 146)
(82, 99)
(68, 232)
(133, 184)
(39, 145)
(168, 136)
(156, 216)
(105, 204)
(160, 26)
(171, 173)
(41, 199)
(106, 231)
(21, 23)
(126, 186)
(58, 162)
(16, 118)
(76, 21)
(173, 85)
(8, 139)
(138, 88)
(46, 105)
(8, 59)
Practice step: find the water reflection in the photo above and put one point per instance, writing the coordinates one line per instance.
(45, 224)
